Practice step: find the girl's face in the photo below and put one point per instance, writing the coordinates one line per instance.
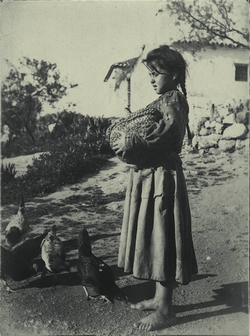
(162, 80)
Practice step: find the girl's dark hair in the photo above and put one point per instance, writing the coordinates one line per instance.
(170, 60)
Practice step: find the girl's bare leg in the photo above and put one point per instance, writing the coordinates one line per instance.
(164, 314)
(151, 304)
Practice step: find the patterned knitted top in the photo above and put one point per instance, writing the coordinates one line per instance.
(156, 136)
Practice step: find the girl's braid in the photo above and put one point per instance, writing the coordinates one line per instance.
(182, 83)
(181, 70)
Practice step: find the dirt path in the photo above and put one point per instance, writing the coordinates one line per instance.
(215, 303)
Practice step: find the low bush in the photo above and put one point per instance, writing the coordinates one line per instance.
(74, 151)
(8, 173)
(49, 173)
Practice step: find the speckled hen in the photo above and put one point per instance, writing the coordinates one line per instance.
(53, 254)
(17, 226)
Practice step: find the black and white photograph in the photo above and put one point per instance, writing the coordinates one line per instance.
(124, 167)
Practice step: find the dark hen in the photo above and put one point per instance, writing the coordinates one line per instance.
(95, 273)
(53, 253)
(17, 264)
(30, 248)
(17, 226)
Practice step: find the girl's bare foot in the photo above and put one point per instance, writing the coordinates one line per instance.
(155, 321)
(146, 305)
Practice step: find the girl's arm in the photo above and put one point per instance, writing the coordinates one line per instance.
(169, 132)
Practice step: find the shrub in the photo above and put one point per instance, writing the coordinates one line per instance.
(85, 130)
(23, 146)
(8, 173)
(74, 151)
(60, 167)
(10, 192)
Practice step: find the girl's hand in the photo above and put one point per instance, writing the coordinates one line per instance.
(119, 145)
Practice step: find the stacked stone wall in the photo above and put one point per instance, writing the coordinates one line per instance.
(224, 128)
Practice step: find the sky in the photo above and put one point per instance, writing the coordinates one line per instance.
(83, 38)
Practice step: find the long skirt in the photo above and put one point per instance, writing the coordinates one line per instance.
(156, 239)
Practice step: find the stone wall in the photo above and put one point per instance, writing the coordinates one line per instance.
(227, 131)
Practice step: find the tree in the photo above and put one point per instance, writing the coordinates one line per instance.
(209, 21)
(24, 90)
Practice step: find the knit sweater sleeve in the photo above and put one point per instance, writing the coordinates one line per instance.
(165, 135)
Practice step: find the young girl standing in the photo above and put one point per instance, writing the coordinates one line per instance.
(156, 239)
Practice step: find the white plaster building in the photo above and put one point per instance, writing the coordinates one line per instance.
(218, 75)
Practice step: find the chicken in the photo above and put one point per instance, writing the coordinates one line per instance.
(17, 226)
(17, 264)
(95, 273)
(53, 254)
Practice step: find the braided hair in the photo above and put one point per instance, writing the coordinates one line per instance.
(170, 60)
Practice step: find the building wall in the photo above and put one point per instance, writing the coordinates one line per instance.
(210, 80)
(212, 74)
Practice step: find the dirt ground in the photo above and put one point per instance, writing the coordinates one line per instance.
(214, 303)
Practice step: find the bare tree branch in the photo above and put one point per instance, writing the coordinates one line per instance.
(210, 22)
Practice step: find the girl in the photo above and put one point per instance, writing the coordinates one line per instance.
(156, 240)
